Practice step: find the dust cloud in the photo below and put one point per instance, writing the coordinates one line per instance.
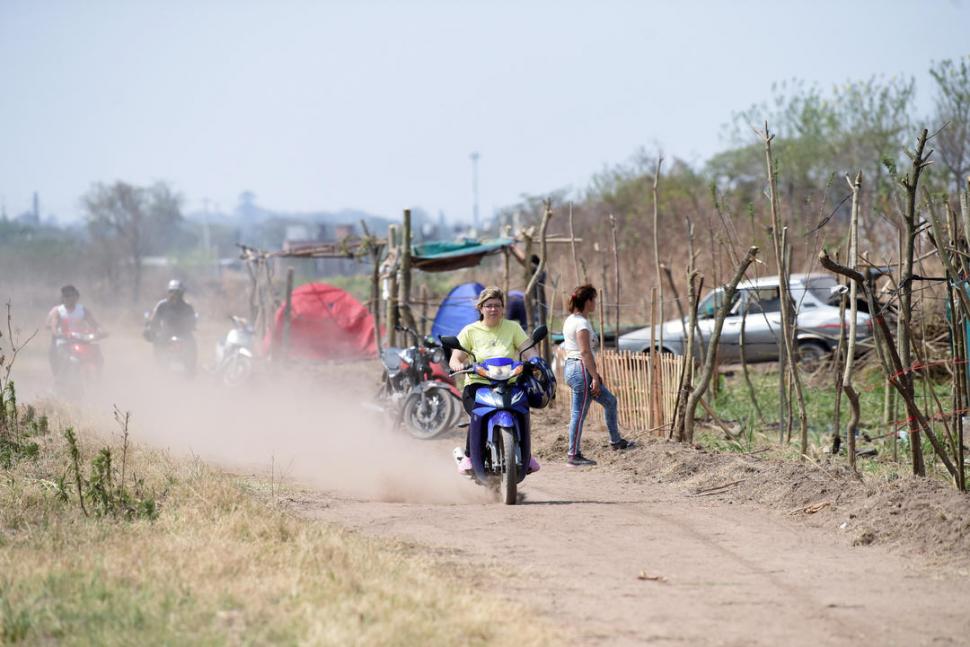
(315, 426)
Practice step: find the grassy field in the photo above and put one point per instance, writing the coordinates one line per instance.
(733, 403)
(181, 553)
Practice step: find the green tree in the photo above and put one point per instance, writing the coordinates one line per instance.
(128, 222)
(953, 109)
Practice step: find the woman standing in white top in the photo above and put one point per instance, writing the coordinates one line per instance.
(583, 377)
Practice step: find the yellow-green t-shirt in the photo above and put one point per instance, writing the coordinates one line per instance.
(503, 340)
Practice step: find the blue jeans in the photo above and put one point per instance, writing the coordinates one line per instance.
(579, 381)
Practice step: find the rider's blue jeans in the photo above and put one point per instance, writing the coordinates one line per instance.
(579, 381)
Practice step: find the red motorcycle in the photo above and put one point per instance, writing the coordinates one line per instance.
(79, 361)
(417, 385)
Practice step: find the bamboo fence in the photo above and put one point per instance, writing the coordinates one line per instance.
(627, 375)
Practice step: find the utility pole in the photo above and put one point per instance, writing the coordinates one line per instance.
(474, 157)
(206, 235)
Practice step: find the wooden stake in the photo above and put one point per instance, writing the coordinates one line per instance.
(392, 312)
(853, 322)
(705, 379)
(911, 222)
(656, 245)
(572, 242)
(652, 365)
(616, 281)
(425, 298)
(602, 309)
(374, 251)
(287, 314)
(405, 315)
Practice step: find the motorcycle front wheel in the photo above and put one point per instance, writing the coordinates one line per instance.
(237, 370)
(425, 415)
(509, 478)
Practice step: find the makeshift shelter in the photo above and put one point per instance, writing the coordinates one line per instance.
(325, 323)
(444, 256)
(457, 310)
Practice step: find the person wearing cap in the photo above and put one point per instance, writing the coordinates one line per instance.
(173, 317)
(69, 316)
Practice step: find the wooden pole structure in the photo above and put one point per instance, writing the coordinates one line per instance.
(287, 315)
(785, 358)
(656, 247)
(374, 251)
(602, 309)
(652, 364)
(572, 242)
(526, 236)
(853, 261)
(890, 359)
(616, 281)
(391, 274)
(695, 283)
(508, 276)
(425, 298)
(405, 316)
(543, 248)
(904, 350)
(705, 379)
(839, 375)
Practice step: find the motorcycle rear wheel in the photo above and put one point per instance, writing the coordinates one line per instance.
(508, 484)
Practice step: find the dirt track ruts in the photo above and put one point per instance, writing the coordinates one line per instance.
(731, 574)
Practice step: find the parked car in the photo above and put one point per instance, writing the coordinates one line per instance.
(817, 321)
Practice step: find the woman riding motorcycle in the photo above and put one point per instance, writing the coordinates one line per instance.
(491, 336)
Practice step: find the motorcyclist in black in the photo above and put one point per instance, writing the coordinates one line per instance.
(173, 317)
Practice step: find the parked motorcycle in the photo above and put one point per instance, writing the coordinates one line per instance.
(417, 389)
(234, 354)
(503, 406)
(79, 361)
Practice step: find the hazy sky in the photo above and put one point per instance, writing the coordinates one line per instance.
(377, 105)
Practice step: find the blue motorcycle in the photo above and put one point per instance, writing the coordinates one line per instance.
(502, 412)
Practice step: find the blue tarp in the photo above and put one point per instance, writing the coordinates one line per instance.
(457, 310)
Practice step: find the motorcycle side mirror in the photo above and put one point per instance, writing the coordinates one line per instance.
(540, 333)
(450, 343)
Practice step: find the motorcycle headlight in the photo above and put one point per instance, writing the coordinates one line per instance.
(438, 356)
(504, 372)
(488, 398)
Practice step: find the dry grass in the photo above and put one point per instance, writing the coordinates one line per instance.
(220, 565)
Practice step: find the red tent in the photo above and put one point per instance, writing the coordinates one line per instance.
(326, 324)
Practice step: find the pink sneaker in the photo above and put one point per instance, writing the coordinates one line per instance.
(533, 465)
(464, 465)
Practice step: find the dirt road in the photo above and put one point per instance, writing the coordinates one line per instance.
(716, 573)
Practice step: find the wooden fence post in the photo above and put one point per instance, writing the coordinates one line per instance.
(287, 315)
(405, 316)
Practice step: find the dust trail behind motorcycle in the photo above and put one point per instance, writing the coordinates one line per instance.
(316, 426)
